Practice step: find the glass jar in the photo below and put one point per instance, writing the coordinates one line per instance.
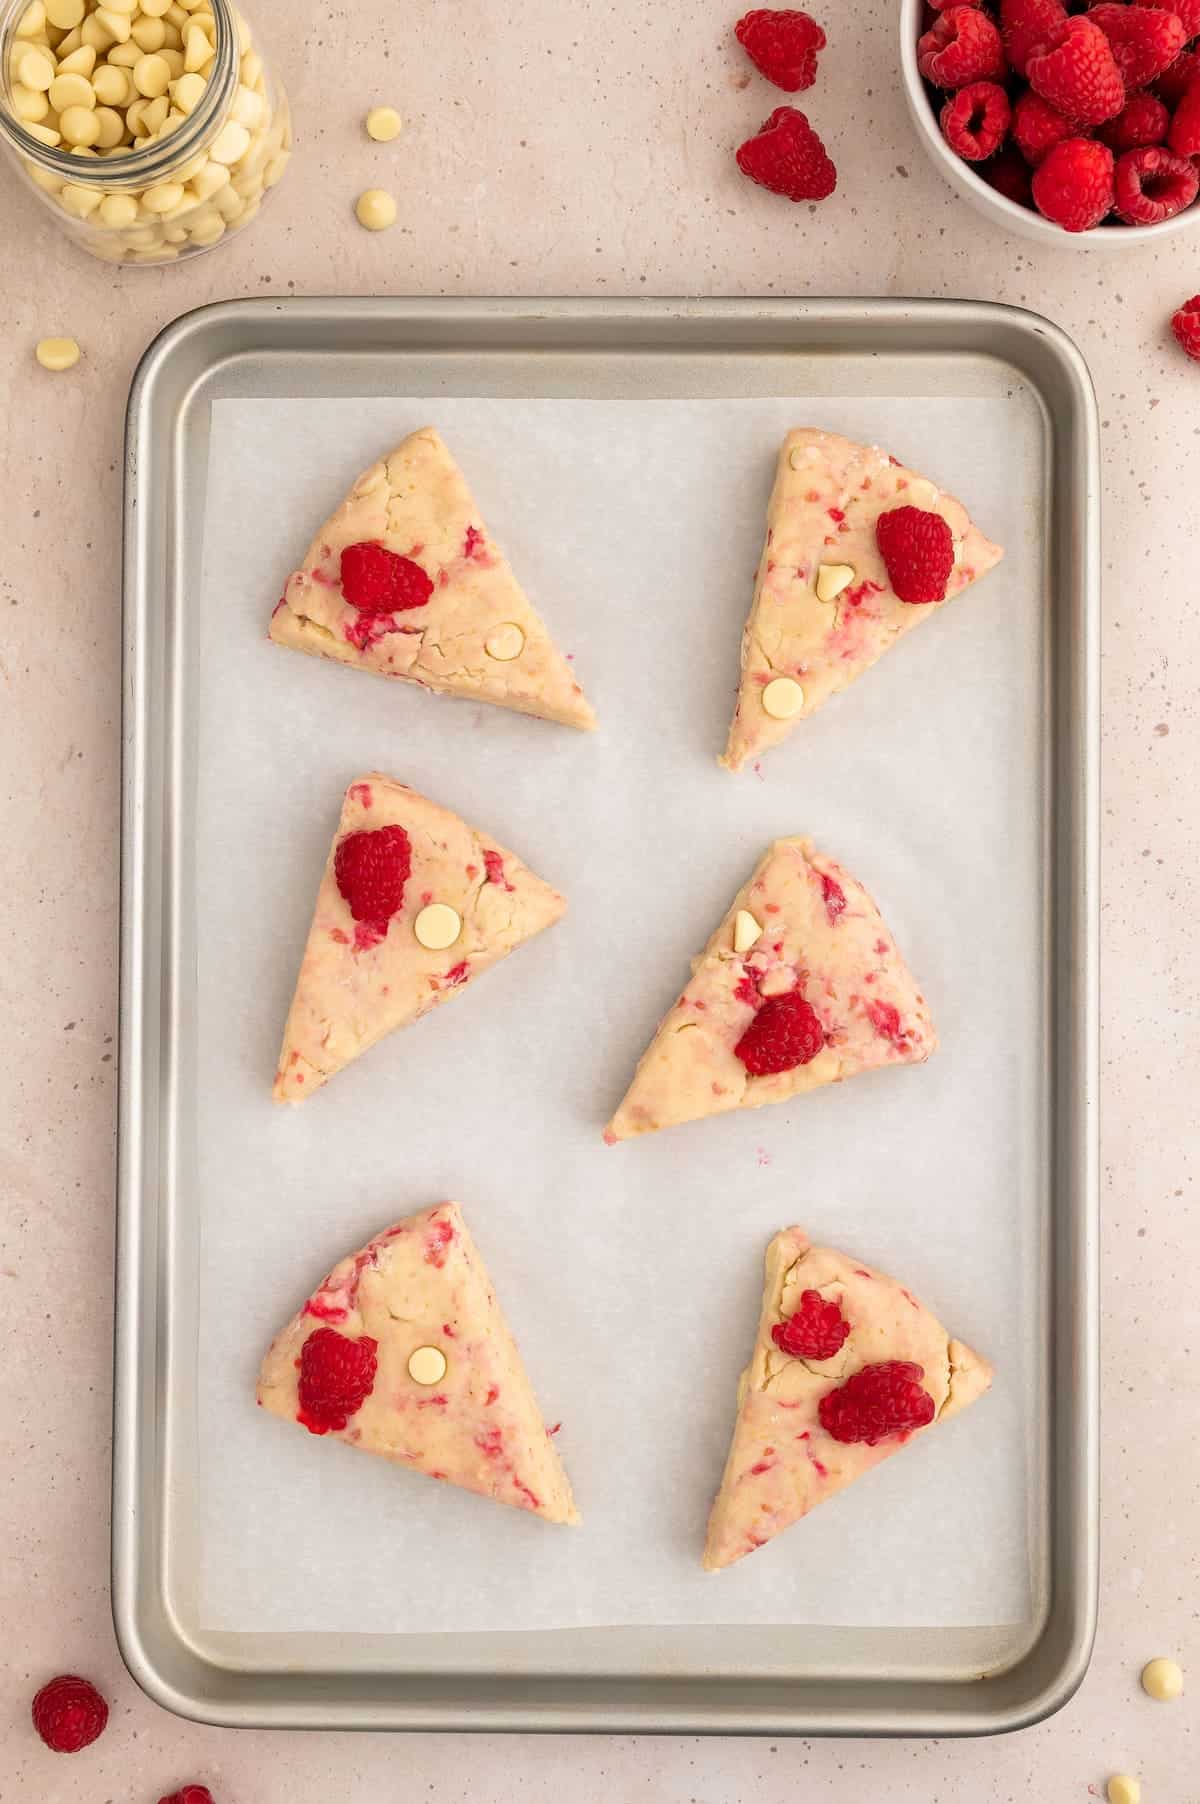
(203, 123)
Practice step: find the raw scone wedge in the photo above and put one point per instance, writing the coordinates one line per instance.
(404, 580)
(801, 985)
(413, 906)
(824, 607)
(403, 1351)
(848, 1367)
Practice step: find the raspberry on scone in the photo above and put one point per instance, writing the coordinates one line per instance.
(917, 547)
(783, 45)
(1074, 184)
(1076, 71)
(975, 121)
(787, 157)
(848, 1367)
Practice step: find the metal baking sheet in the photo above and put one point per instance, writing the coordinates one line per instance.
(743, 1676)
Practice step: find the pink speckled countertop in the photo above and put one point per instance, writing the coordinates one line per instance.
(575, 150)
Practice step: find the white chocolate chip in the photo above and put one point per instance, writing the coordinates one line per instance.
(57, 353)
(746, 930)
(32, 21)
(437, 926)
(208, 179)
(71, 90)
(35, 69)
(187, 91)
(505, 642)
(112, 86)
(118, 25)
(78, 62)
(118, 209)
(375, 209)
(92, 32)
(44, 134)
(204, 234)
(783, 698)
(1123, 1788)
(832, 579)
(112, 127)
(30, 105)
(230, 144)
(148, 34)
(124, 56)
(164, 198)
(427, 1365)
(383, 124)
(64, 13)
(151, 75)
(1163, 1680)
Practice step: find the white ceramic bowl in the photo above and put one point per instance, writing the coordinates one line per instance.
(984, 198)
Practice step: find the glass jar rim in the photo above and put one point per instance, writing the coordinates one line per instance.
(139, 168)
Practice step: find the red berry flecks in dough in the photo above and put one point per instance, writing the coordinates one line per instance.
(817, 1330)
(337, 1375)
(878, 1401)
(378, 581)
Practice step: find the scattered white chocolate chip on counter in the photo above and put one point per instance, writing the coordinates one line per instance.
(1163, 1680)
(437, 926)
(782, 698)
(746, 930)
(1123, 1788)
(427, 1365)
(832, 579)
(505, 643)
(375, 209)
(383, 124)
(57, 353)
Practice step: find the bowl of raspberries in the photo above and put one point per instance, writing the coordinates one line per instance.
(1056, 116)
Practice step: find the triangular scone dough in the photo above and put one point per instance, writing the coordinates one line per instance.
(417, 504)
(827, 497)
(821, 932)
(423, 1285)
(357, 984)
(782, 1461)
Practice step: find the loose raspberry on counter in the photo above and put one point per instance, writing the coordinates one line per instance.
(1037, 127)
(785, 1033)
(1145, 40)
(1186, 11)
(1025, 25)
(917, 547)
(1153, 184)
(1076, 71)
(818, 1329)
(1185, 324)
(975, 121)
(378, 581)
(69, 1714)
(786, 156)
(371, 868)
(1074, 185)
(1174, 82)
(1143, 121)
(1184, 135)
(189, 1794)
(782, 45)
(1009, 174)
(963, 46)
(878, 1401)
(337, 1375)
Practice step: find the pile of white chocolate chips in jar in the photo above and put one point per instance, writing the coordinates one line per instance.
(104, 82)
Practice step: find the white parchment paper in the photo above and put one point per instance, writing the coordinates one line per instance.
(631, 1275)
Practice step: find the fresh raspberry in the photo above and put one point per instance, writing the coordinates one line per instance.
(1184, 135)
(917, 547)
(783, 1034)
(783, 46)
(69, 1713)
(963, 46)
(1152, 185)
(1074, 185)
(1145, 39)
(816, 1331)
(1142, 120)
(189, 1794)
(1185, 323)
(378, 581)
(371, 868)
(786, 156)
(1038, 127)
(880, 1400)
(975, 121)
(1076, 71)
(1186, 11)
(1174, 82)
(1026, 25)
(1008, 173)
(337, 1375)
